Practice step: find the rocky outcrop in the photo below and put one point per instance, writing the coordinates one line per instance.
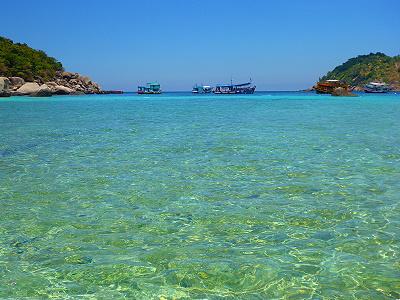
(76, 83)
(4, 87)
(64, 83)
(16, 82)
(34, 69)
(358, 89)
(395, 86)
(311, 89)
(342, 92)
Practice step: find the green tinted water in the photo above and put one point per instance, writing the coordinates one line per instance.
(258, 197)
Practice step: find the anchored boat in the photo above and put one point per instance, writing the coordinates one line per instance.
(376, 87)
(150, 88)
(201, 89)
(242, 88)
(328, 86)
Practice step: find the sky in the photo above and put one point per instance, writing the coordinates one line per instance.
(281, 45)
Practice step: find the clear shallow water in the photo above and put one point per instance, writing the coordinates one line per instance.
(274, 195)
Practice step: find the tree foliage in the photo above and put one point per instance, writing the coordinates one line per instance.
(20, 60)
(366, 68)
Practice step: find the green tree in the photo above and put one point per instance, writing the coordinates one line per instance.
(366, 68)
(21, 60)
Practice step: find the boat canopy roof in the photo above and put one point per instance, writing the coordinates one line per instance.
(378, 83)
(234, 85)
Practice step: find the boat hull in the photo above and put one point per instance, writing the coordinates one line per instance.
(202, 89)
(249, 90)
(148, 93)
(375, 92)
(203, 92)
(376, 88)
(149, 89)
(328, 87)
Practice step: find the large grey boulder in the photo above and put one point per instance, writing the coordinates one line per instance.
(51, 84)
(4, 84)
(39, 80)
(78, 88)
(4, 87)
(86, 80)
(28, 88)
(43, 91)
(342, 92)
(69, 75)
(16, 82)
(61, 90)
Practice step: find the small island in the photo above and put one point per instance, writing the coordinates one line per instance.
(358, 72)
(28, 72)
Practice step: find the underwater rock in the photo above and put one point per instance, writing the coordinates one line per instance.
(323, 235)
(342, 92)
(78, 259)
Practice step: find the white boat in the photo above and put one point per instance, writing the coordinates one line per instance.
(201, 89)
(377, 87)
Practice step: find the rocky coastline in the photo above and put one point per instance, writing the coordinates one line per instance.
(394, 87)
(64, 83)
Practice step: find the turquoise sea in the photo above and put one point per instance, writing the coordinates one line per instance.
(265, 196)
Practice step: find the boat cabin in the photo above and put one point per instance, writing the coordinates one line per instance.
(201, 89)
(150, 88)
(376, 87)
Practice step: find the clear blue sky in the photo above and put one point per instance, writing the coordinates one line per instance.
(282, 45)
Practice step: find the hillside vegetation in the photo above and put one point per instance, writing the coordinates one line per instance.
(362, 69)
(22, 61)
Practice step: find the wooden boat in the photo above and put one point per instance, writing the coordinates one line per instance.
(201, 89)
(328, 86)
(150, 88)
(376, 87)
(242, 88)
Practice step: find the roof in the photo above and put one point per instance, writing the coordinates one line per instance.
(234, 85)
(378, 83)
